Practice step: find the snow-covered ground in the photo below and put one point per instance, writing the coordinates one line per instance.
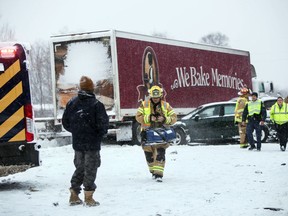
(210, 180)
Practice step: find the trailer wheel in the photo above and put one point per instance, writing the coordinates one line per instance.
(136, 130)
(180, 137)
(264, 134)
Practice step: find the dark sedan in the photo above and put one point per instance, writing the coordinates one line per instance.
(210, 122)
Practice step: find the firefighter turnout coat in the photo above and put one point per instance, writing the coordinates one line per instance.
(147, 109)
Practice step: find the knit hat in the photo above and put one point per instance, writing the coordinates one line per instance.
(86, 84)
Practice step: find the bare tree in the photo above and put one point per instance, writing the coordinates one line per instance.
(6, 33)
(41, 84)
(217, 39)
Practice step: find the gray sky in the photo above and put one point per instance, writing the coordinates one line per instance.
(258, 26)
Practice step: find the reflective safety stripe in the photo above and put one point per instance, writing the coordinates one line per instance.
(164, 107)
(140, 110)
(12, 121)
(146, 112)
(147, 119)
(11, 96)
(168, 120)
(10, 73)
(18, 137)
(158, 168)
(171, 112)
(239, 110)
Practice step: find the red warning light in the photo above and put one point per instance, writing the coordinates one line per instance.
(8, 52)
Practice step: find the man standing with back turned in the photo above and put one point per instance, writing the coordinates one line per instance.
(86, 118)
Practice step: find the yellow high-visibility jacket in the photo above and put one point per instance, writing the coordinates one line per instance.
(279, 115)
(254, 107)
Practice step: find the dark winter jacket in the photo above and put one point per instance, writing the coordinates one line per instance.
(86, 118)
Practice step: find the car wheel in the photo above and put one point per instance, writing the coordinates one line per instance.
(180, 137)
(264, 134)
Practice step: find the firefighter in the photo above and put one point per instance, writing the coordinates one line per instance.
(240, 105)
(279, 115)
(256, 114)
(155, 112)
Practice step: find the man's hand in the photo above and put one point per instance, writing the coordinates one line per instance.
(261, 123)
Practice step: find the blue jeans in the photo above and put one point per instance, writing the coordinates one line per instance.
(251, 126)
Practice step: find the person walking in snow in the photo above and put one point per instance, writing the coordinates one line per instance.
(279, 115)
(239, 108)
(155, 112)
(86, 118)
(256, 114)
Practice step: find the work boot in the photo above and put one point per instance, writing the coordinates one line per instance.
(283, 148)
(158, 178)
(89, 201)
(245, 145)
(74, 198)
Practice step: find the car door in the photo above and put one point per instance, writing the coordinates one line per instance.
(227, 127)
(204, 124)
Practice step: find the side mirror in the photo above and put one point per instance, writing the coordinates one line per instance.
(196, 118)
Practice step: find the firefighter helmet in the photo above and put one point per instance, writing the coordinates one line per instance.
(155, 92)
(243, 91)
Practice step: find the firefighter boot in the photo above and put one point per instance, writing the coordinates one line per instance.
(245, 145)
(89, 201)
(74, 198)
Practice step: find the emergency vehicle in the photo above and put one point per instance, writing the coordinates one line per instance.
(18, 151)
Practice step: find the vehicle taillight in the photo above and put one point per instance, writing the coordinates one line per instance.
(29, 122)
(8, 52)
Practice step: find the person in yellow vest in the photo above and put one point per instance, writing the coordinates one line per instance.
(155, 112)
(239, 108)
(256, 114)
(279, 115)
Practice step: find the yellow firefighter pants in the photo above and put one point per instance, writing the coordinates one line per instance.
(155, 157)
(242, 133)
